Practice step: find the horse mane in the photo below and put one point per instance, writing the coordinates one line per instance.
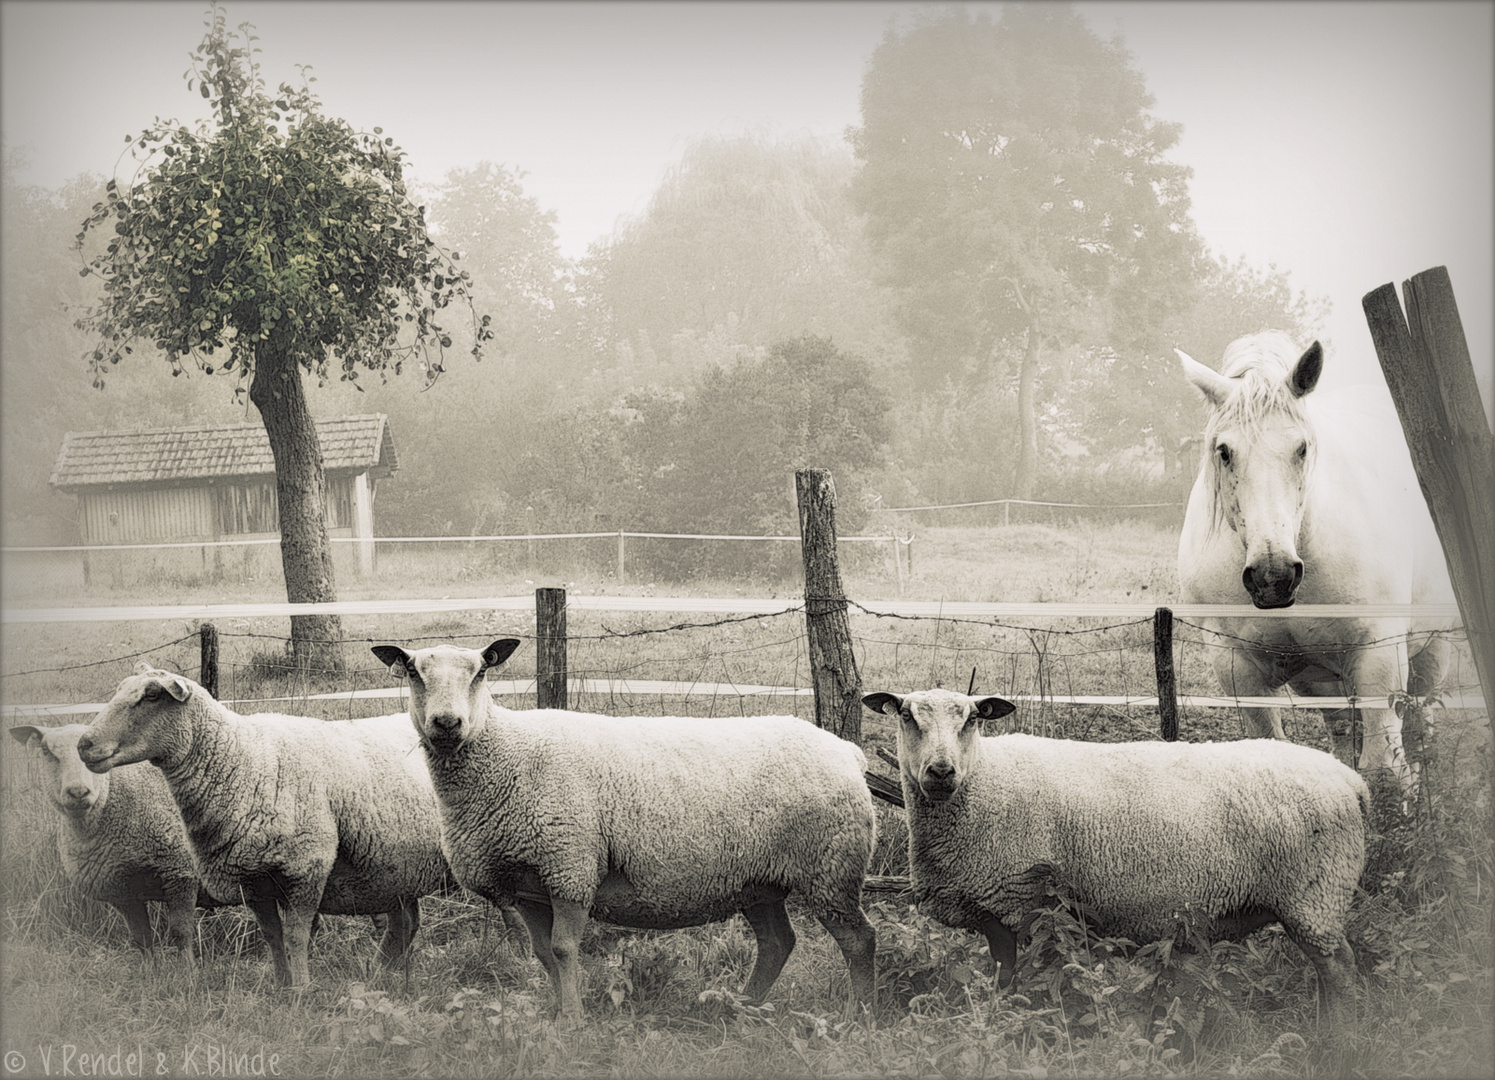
(1261, 365)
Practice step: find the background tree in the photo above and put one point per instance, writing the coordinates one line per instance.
(1016, 190)
(43, 396)
(748, 241)
(274, 245)
(721, 457)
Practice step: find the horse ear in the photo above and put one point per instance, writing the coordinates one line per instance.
(1306, 372)
(1209, 382)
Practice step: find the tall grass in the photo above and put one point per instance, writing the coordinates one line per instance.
(661, 1004)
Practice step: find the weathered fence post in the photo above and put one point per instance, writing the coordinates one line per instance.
(550, 648)
(622, 576)
(833, 665)
(1431, 378)
(207, 667)
(1162, 658)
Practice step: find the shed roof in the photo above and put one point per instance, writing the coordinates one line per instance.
(91, 459)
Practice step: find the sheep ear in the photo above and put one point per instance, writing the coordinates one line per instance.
(499, 651)
(1215, 387)
(142, 668)
(25, 733)
(1306, 372)
(883, 702)
(175, 685)
(396, 658)
(993, 708)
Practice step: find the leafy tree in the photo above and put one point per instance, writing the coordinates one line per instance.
(508, 245)
(748, 241)
(1016, 189)
(279, 243)
(722, 458)
(43, 398)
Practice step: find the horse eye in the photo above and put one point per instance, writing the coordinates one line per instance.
(1302, 451)
(1224, 452)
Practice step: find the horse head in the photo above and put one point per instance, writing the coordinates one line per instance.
(1260, 454)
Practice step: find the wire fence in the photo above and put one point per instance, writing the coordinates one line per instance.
(1075, 670)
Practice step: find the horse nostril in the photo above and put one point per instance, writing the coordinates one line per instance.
(1248, 579)
(1297, 574)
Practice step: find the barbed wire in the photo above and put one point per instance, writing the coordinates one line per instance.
(96, 663)
(992, 623)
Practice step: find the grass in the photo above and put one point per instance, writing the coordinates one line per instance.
(660, 1004)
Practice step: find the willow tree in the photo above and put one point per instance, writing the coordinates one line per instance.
(272, 244)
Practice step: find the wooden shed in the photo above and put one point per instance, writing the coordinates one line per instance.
(216, 483)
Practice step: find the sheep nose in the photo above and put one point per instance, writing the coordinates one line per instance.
(941, 770)
(446, 722)
(85, 742)
(78, 791)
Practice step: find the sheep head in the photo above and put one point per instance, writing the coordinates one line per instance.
(448, 701)
(141, 722)
(73, 787)
(937, 731)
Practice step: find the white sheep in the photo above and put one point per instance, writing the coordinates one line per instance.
(123, 842)
(292, 814)
(652, 822)
(1241, 833)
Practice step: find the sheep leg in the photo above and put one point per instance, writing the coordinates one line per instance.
(770, 923)
(267, 914)
(296, 923)
(138, 920)
(537, 921)
(567, 921)
(1336, 976)
(858, 942)
(402, 923)
(181, 917)
(1003, 945)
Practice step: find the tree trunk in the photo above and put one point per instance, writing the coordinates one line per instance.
(1027, 412)
(301, 494)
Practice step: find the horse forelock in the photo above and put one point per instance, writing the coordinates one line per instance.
(1261, 365)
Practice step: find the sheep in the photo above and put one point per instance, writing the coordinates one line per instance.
(1244, 833)
(649, 822)
(123, 842)
(295, 815)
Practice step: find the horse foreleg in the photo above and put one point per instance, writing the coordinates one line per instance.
(1240, 677)
(1371, 675)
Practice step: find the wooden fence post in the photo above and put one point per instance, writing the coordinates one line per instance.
(833, 666)
(550, 648)
(207, 667)
(1162, 659)
(622, 577)
(1431, 378)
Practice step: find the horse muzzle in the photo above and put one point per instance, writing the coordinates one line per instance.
(1273, 583)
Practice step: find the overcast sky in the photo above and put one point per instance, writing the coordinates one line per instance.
(1349, 143)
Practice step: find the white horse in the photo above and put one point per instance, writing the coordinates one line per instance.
(1311, 497)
